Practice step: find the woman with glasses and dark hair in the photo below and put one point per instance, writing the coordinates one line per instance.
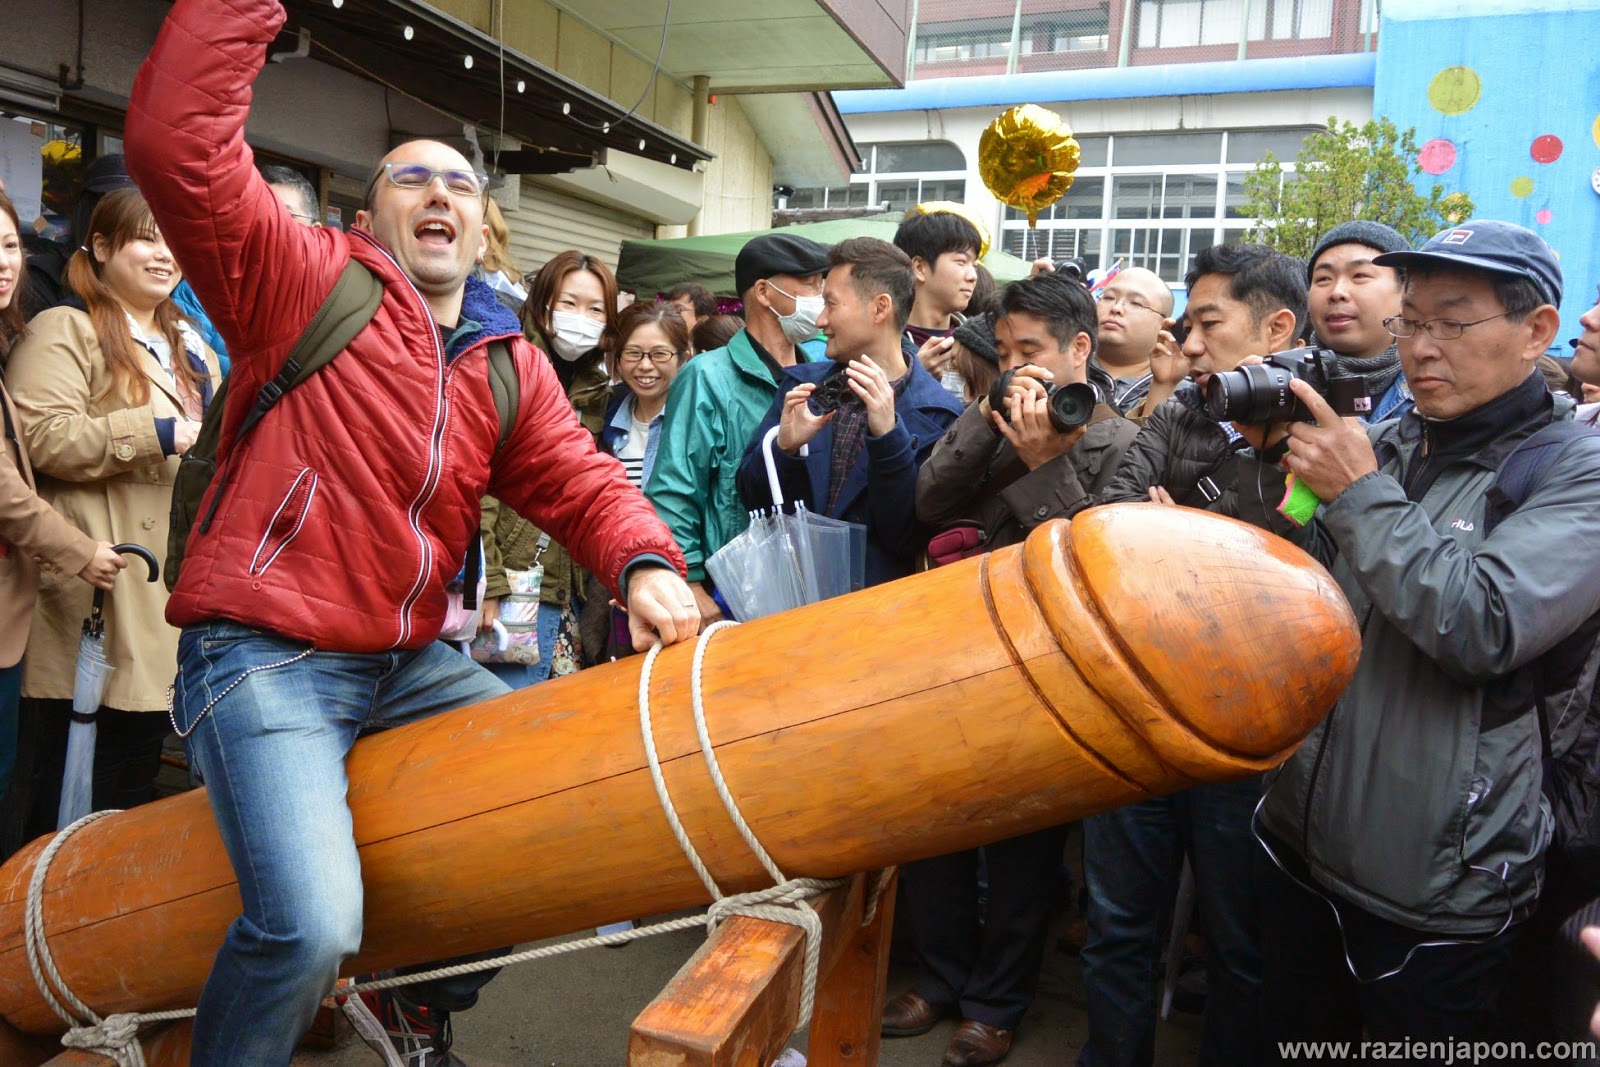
(652, 343)
(108, 399)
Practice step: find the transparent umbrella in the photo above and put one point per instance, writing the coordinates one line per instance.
(783, 561)
(88, 691)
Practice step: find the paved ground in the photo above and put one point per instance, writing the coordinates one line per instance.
(574, 1011)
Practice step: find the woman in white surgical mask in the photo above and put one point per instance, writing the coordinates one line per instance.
(571, 314)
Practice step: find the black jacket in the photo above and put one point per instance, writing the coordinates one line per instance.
(1186, 452)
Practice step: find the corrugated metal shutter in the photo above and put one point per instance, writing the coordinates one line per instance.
(546, 222)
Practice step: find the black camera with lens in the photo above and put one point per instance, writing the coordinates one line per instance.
(1259, 392)
(1071, 404)
(832, 393)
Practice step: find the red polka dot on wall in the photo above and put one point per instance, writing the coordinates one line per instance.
(1546, 149)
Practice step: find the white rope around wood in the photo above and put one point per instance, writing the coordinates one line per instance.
(787, 901)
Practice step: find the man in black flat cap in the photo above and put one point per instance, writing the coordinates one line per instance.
(719, 397)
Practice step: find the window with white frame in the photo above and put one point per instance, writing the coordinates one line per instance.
(898, 174)
(1186, 23)
(1152, 200)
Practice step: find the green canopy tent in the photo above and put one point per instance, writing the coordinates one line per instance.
(651, 267)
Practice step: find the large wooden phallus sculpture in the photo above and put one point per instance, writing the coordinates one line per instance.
(1135, 652)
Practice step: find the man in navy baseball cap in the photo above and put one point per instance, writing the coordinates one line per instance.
(1407, 833)
(1501, 248)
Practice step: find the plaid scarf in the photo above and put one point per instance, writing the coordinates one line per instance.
(850, 435)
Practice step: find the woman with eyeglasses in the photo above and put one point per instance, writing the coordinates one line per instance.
(652, 343)
(108, 398)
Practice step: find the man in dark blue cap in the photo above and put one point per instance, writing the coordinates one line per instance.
(1404, 842)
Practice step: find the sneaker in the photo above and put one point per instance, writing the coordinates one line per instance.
(401, 1033)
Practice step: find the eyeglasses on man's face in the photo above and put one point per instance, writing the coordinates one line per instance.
(632, 356)
(460, 181)
(1111, 300)
(1438, 329)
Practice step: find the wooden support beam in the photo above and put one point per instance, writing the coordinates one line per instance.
(847, 1025)
(736, 1001)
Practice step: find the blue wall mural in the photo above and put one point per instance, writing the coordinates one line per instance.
(1505, 99)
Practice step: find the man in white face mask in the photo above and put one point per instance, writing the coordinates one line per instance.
(719, 397)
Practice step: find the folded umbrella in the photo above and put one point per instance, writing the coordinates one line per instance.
(88, 690)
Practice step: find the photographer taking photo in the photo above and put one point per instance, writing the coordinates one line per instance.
(1244, 300)
(1001, 474)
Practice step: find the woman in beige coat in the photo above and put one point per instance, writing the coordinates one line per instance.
(108, 399)
(33, 536)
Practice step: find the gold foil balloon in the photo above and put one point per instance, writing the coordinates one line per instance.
(1027, 158)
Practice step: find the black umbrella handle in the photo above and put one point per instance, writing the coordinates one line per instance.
(92, 624)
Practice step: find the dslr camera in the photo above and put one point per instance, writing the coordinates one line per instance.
(832, 393)
(1259, 392)
(1071, 404)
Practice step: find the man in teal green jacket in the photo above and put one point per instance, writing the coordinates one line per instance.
(719, 397)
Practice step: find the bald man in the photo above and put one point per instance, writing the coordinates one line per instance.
(1133, 309)
(313, 592)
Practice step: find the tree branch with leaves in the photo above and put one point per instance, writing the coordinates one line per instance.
(1344, 173)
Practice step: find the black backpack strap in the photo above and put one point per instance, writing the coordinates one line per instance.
(1526, 466)
(345, 312)
(505, 387)
(348, 308)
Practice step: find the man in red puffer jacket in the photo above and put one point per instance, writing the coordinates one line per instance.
(311, 604)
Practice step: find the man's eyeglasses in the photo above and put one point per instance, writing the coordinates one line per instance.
(416, 176)
(1111, 300)
(632, 356)
(1438, 329)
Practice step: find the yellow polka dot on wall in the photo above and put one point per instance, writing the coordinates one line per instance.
(1521, 187)
(1455, 90)
(1595, 131)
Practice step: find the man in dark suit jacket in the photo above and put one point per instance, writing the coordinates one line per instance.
(857, 459)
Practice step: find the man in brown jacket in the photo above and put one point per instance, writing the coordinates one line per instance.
(1007, 475)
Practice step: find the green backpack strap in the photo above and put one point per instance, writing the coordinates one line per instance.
(506, 387)
(345, 312)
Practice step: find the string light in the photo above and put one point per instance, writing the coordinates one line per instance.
(566, 109)
(521, 85)
(466, 61)
(409, 33)
(338, 3)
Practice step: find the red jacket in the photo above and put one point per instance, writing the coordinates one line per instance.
(352, 503)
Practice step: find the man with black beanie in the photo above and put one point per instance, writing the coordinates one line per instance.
(1350, 296)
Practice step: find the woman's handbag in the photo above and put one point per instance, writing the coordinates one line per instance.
(519, 616)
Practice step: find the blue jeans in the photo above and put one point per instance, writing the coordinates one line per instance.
(1131, 861)
(547, 625)
(272, 752)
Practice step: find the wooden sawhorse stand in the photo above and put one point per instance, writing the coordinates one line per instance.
(733, 1004)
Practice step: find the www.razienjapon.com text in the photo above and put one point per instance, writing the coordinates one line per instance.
(1445, 1052)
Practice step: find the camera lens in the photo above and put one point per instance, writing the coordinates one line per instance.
(997, 395)
(1252, 394)
(1072, 405)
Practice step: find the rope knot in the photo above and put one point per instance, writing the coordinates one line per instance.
(115, 1036)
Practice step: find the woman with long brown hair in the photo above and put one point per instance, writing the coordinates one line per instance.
(30, 530)
(108, 399)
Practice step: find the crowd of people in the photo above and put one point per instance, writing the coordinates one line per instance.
(559, 462)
